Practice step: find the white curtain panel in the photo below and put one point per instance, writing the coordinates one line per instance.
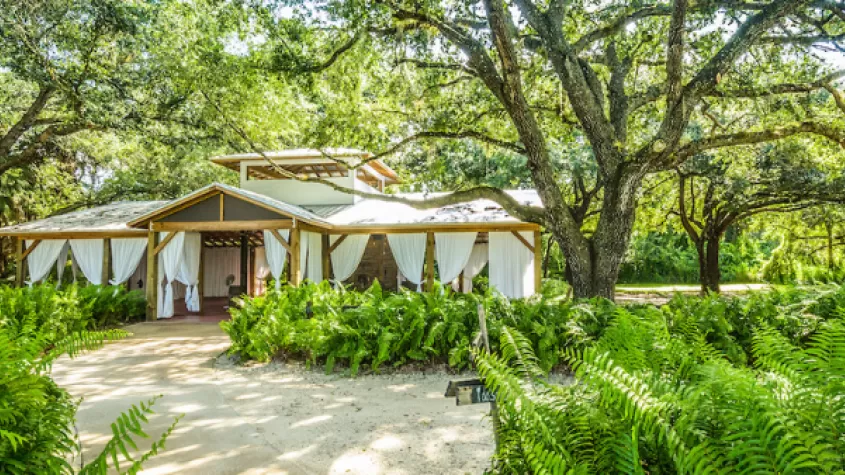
(409, 253)
(189, 270)
(42, 258)
(218, 264)
(61, 262)
(276, 254)
(89, 255)
(511, 264)
(311, 256)
(169, 262)
(452, 251)
(262, 268)
(126, 254)
(347, 255)
(477, 260)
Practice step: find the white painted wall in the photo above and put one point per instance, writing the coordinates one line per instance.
(304, 193)
(300, 193)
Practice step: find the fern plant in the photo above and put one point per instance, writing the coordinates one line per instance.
(128, 424)
(649, 399)
(36, 415)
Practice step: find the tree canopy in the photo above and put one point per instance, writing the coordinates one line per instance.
(640, 87)
(584, 101)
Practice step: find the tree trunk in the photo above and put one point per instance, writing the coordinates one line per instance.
(609, 243)
(708, 264)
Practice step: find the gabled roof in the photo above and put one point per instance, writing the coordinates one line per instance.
(132, 218)
(108, 219)
(257, 199)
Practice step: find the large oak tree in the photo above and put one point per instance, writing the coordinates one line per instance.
(627, 80)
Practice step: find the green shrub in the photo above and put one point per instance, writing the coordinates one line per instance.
(377, 328)
(37, 325)
(57, 313)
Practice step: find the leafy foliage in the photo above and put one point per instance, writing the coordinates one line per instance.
(38, 325)
(54, 314)
(671, 257)
(377, 328)
(646, 398)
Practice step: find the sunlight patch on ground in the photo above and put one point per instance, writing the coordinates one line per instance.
(275, 418)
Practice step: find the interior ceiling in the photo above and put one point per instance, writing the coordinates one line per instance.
(231, 238)
(256, 238)
(314, 170)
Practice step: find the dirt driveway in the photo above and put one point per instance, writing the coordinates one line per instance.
(274, 418)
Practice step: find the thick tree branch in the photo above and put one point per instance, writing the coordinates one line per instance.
(427, 135)
(837, 96)
(333, 57)
(832, 133)
(29, 118)
(35, 148)
(571, 69)
(746, 35)
(437, 65)
(618, 25)
(682, 210)
(776, 89)
(479, 61)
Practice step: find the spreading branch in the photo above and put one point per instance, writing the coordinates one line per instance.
(776, 89)
(428, 135)
(749, 33)
(830, 132)
(29, 118)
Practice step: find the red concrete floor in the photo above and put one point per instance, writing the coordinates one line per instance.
(213, 311)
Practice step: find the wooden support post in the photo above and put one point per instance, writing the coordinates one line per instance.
(295, 265)
(251, 289)
(380, 261)
(538, 261)
(327, 266)
(200, 278)
(152, 277)
(106, 261)
(429, 261)
(244, 280)
(20, 263)
(30, 248)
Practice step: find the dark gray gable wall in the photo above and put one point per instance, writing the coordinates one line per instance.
(234, 209)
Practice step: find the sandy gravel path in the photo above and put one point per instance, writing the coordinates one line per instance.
(273, 418)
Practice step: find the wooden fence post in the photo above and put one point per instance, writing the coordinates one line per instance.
(485, 339)
(200, 279)
(327, 266)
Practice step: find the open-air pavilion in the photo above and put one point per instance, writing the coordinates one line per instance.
(222, 241)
